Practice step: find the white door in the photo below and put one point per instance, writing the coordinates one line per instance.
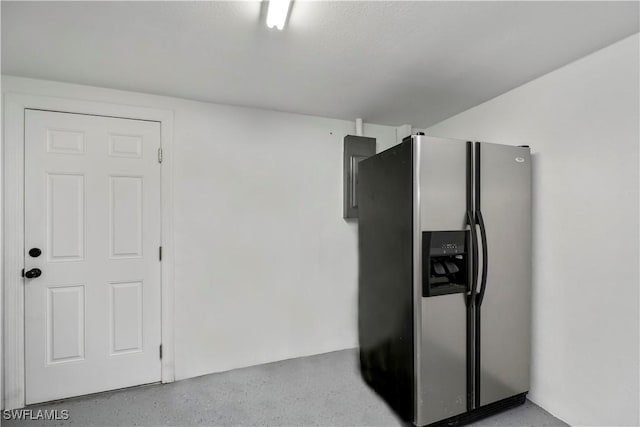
(92, 207)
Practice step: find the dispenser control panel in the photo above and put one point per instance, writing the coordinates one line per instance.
(445, 262)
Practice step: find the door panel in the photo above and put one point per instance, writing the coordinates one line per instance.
(66, 320)
(440, 320)
(125, 317)
(125, 216)
(65, 217)
(92, 204)
(505, 313)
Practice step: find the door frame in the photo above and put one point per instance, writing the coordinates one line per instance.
(15, 104)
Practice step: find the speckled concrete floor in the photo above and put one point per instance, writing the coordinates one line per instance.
(323, 390)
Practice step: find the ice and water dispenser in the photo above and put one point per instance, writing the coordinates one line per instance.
(445, 262)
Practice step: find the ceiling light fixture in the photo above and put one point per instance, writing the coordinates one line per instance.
(277, 13)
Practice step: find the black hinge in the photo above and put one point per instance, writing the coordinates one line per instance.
(160, 253)
(160, 351)
(23, 272)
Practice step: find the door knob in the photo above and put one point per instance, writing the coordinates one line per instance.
(34, 252)
(33, 273)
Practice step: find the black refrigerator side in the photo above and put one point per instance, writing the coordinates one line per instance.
(385, 288)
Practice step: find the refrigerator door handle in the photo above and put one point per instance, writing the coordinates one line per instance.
(485, 260)
(474, 254)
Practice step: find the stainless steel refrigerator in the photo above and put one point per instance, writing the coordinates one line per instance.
(444, 301)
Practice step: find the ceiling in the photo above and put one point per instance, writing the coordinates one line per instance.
(389, 62)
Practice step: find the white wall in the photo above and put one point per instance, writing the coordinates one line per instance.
(265, 266)
(582, 124)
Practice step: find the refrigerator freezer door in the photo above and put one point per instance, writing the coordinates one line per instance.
(504, 186)
(440, 321)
